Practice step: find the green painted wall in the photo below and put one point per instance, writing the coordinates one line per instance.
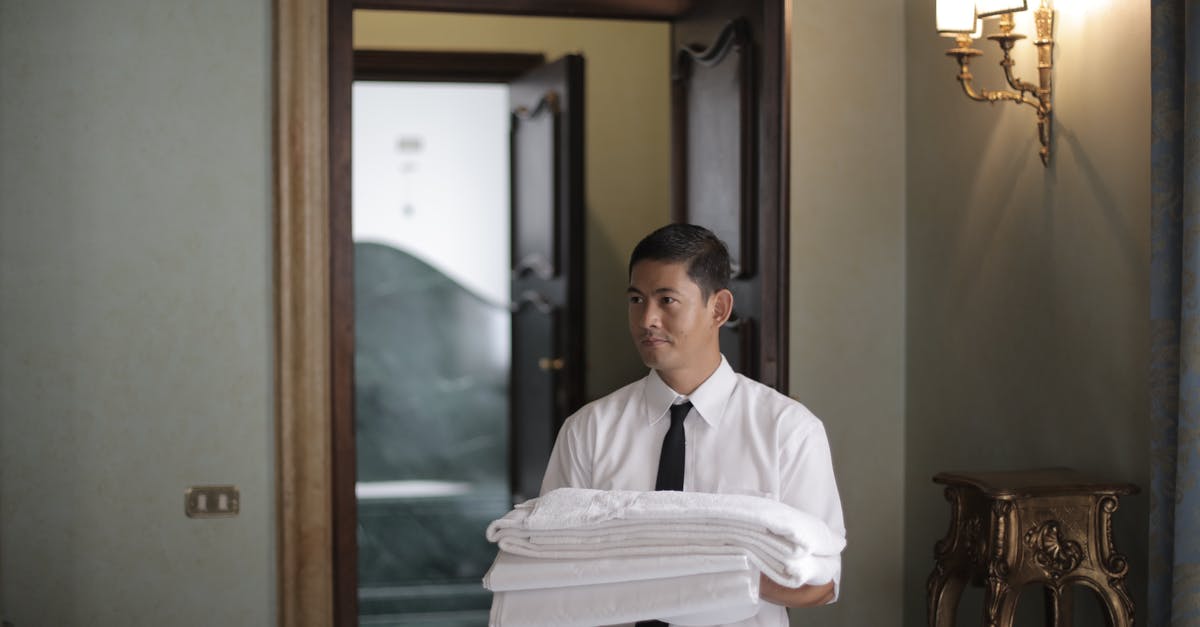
(848, 283)
(135, 282)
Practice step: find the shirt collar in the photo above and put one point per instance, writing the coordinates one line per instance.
(709, 399)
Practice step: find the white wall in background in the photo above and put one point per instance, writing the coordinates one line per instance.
(430, 177)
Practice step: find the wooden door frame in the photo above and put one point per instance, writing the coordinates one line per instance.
(313, 69)
(443, 66)
(303, 411)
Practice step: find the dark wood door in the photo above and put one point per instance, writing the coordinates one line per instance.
(728, 164)
(547, 263)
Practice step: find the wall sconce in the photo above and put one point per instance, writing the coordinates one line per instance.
(963, 20)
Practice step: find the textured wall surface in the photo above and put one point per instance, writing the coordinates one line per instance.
(1028, 287)
(847, 292)
(627, 160)
(135, 277)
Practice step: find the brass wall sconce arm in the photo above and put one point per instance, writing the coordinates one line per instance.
(1020, 92)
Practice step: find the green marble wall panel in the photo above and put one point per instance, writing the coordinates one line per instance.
(431, 405)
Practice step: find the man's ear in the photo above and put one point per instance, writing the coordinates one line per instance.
(722, 307)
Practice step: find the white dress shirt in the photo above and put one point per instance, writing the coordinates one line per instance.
(742, 438)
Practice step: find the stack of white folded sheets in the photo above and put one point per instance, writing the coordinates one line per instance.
(578, 557)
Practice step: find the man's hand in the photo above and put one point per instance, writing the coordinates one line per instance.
(804, 596)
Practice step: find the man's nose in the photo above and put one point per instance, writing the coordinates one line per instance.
(650, 318)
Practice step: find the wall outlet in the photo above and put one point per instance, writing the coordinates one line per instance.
(211, 501)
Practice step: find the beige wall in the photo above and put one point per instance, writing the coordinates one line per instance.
(627, 151)
(1028, 286)
(848, 283)
(135, 277)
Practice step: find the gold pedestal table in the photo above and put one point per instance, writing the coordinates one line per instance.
(1008, 529)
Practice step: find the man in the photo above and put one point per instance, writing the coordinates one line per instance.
(738, 437)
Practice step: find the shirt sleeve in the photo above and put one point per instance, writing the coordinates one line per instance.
(806, 478)
(570, 461)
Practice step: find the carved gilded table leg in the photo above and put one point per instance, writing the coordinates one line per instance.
(944, 590)
(1114, 566)
(1051, 527)
(1000, 596)
(945, 584)
(999, 604)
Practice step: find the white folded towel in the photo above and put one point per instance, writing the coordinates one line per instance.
(794, 572)
(787, 545)
(706, 599)
(516, 572)
(581, 508)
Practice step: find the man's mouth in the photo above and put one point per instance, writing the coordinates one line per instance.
(654, 341)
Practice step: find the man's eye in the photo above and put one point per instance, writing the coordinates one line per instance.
(667, 300)
(635, 300)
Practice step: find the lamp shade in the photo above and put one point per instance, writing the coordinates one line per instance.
(989, 8)
(978, 32)
(955, 16)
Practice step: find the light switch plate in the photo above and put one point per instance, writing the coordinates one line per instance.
(211, 501)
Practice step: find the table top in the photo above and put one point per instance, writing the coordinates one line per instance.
(1034, 482)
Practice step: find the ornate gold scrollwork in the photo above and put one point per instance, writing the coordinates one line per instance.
(997, 569)
(1056, 555)
(1113, 563)
(1118, 584)
(1036, 96)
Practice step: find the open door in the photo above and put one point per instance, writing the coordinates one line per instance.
(728, 163)
(547, 263)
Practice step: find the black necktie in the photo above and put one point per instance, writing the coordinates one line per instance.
(670, 467)
(670, 461)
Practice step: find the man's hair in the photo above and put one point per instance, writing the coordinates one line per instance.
(705, 254)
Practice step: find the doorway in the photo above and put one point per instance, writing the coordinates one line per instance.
(313, 85)
(432, 346)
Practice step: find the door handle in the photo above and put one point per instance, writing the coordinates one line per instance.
(549, 365)
(530, 297)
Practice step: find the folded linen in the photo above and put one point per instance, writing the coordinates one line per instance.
(517, 572)
(581, 508)
(787, 545)
(795, 571)
(704, 599)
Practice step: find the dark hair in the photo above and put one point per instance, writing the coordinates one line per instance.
(705, 254)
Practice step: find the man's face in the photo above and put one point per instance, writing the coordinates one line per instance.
(672, 324)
